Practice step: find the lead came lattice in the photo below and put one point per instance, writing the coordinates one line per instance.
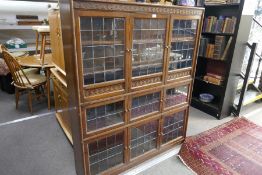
(106, 153)
(143, 138)
(103, 48)
(145, 104)
(105, 115)
(182, 44)
(148, 42)
(173, 126)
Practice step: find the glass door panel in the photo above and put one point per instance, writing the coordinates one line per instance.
(143, 138)
(182, 44)
(173, 126)
(148, 46)
(145, 104)
(103, 48)
(104, 115)
(106, 153)
(177, 95)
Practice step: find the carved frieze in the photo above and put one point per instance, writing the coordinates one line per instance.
(103, 90)
(125, 7)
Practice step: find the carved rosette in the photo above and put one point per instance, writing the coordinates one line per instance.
(103, 90)
(178, 75)
(147, 81)
(136, 8)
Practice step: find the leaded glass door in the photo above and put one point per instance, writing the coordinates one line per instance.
(149, 34)
(102, 53)
(173, 126)
(182, 49)
(105, 153)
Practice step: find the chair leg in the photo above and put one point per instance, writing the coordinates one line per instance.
(43, 90)
(30, 101)
(16, 97)
(38, 93)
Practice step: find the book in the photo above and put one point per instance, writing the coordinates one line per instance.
(209, 51)
(223, 57)
(221, 24)
(213, 80)
(233, 1)
(219, 47)
(215, 76)
(203, 46)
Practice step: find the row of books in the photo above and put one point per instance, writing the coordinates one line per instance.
(212, 2)
(214, 79)
(221, 24)
(217, 50)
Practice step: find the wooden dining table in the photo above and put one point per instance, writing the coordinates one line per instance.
(34, 61)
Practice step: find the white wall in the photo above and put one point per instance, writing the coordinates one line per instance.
(249, 7)
(9, 10)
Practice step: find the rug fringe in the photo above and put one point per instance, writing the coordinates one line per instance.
(186, 164)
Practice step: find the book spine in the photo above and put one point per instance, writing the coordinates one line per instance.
(226, 49)
(212, 80)
(215, 76)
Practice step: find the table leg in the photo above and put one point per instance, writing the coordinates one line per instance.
(42, 51)
(48, 86)
(36, 42)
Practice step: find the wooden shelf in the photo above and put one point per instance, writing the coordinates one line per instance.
(222, 5)
(211, 59)
(182, 39)
(201, 79)
(101, 42)
(145, 41)
(147, 63)
(103, 71)
(210, 105)
(210, 108)
(213, 33)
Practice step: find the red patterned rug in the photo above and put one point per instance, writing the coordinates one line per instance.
(234, 148)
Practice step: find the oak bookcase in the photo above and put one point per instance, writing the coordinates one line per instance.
(126, 83)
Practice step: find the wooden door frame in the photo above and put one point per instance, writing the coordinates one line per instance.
(115, 83)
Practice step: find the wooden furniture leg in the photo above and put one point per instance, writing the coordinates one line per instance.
(42, 51)
(30, 101)
(48, 86)
(36, 42)
(16, 97)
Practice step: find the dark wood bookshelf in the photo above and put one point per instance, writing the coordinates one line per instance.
(224, 94)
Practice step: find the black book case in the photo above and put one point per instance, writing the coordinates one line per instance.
(220, 107)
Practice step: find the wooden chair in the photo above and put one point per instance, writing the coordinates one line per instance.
(27, 70)
(2, 48)
(24, 81)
